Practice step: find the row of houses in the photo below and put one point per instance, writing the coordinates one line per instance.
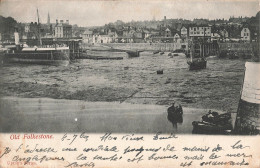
(165, 34)
(61, 29)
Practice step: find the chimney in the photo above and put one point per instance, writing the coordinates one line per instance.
(67, 21)
(57, 21)
(61, 21)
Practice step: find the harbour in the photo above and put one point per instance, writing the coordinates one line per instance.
(109, 81)
(206, 65)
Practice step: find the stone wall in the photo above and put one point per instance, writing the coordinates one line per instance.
(148, 46)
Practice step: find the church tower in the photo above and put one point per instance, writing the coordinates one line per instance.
(48, 19)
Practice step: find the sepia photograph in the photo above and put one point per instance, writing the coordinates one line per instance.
(182, 67)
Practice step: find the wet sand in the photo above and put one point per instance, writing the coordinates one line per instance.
(59, 115)
(130, 80)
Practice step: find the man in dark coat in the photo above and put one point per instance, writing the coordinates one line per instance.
(175, 115)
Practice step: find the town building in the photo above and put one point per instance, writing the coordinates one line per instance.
(215, 37)
(87, 36)
(176, 37)
(63, 29)
(224, 34)
(200, 33)
(27, 28)
(245, 34)
(167, 32)
(184, 32)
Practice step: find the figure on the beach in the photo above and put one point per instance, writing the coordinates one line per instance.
(175, 115)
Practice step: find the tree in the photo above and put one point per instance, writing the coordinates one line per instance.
(7, 27)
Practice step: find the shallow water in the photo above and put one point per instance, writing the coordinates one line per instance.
(59, 115)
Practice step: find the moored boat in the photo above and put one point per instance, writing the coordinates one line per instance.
(156, 52)
(46, 55)
(38, 55)
(213, 123)
(202, 127)
(196, 63)
(133, 53)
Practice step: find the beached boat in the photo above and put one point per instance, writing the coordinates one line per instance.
(202, 127)
(132, 54)
(196, 63)
(213, 123)
(161, 53)
(156, 52)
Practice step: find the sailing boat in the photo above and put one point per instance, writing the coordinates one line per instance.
(40, 54)
(196, 63)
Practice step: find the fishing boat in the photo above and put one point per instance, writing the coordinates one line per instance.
(46, 55)
(202, 127)
(196, 63)
(213, 123)
(133, 53)
(156, 52)
(161, 53)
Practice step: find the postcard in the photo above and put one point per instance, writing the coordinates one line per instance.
(129, 83)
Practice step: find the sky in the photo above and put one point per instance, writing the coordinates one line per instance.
(98, 12)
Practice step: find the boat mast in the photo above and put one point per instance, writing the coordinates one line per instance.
(191, 48)
(39, 30)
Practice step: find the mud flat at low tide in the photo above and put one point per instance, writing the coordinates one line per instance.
(131, 80)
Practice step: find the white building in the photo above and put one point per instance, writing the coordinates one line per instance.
(176, 37)
(224, 33)
(87, 36)
(184, 32)
(27, 28)
(62, 29)
(215, 36)
(245, 34)
(200, 31)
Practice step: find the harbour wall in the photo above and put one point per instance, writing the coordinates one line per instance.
(148, 46)
(238, 47)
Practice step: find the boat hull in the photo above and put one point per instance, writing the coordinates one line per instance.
(209, 128)
(133, 54)
(197, 65)
(59, 57)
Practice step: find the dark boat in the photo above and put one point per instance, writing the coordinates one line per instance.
(196, 63)
(44, 56)
(232, 55)
(156, 52)
(202, 127)
(133, 53)
(213, 123)
(161, 53)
